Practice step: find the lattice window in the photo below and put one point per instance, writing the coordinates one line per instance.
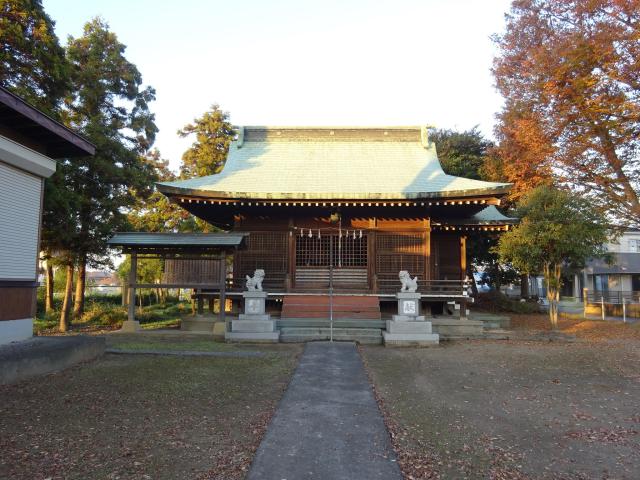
(400, 251)
(191, 271)
(347, 250)
(266, 250)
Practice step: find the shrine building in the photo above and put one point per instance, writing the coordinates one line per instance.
(343, 207)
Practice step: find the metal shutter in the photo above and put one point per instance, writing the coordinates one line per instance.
(19, 223)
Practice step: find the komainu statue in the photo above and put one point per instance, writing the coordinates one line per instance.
(255, 283)
(408, 284)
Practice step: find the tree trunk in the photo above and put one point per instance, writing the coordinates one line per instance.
(66, 303)
(48, 297)
(553, 279)
(524, 286)
(78, 305)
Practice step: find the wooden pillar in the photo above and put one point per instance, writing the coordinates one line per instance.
(463, 274)
(290, 279)
(371, 261)
(427, 248)
(463, 257)
(223, 287)
(200, 301)
(133, 274)
(463, 309)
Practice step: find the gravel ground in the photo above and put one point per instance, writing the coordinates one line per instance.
(513, 409)
(143, 417)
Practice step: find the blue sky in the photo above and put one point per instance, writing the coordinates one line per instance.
(284, 62)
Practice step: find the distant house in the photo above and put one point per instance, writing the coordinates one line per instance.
(600, 278)
(623, 275)
(103, 282)
(29, 143)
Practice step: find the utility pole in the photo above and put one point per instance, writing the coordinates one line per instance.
(331, 288)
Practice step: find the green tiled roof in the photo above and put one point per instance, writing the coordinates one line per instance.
(169, 240)
(332, 163)
(487, 216)
(491, 215)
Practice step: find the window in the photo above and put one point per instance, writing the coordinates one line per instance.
(601, 283)
(634, 245)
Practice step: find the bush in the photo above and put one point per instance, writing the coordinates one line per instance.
(101, 314)
(497, 302)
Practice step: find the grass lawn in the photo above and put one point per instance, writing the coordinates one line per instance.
(199, 343)
(515, 409)
(103, 315)
(139, 416)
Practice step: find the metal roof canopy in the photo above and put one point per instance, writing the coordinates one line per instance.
(177, 243)
(57, 140)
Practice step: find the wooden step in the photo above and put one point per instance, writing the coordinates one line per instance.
(337, 323)
(337, 300)
(307, 334)
(318, 306)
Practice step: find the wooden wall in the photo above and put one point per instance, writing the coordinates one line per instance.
(17, 302)
(393, 244)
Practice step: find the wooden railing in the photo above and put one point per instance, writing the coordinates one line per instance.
(613, 297)
(272, 283)
(318, 282)
(391, 284)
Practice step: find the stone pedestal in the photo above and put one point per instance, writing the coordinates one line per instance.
(203, 324)
(409, 328)
(254, 325)
(130, 326)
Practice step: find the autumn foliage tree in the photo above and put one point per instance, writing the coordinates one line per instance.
(569, 71)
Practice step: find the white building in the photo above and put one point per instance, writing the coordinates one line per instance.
(623, 275)
(29, 143)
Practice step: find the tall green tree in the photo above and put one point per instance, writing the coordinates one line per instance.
(110, 106)
(32, 61)
(462, 154)
(213, 134)
(557, 230)
(156, 213)
(570, 76)
(33, 65)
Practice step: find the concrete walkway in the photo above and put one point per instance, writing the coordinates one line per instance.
(327, 425)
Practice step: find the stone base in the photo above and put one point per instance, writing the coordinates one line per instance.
(255, 326)
(197, 323)
(419, 326)
(252, 337)
(260, 317)
(410, 339)
(453, 327)
(130, 326)
(409, 333)
(219, 329)
(407, 318)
